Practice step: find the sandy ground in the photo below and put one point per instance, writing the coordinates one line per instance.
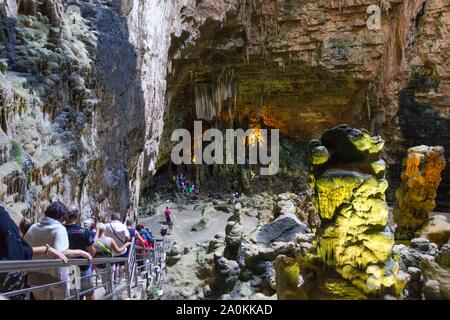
(184, 220)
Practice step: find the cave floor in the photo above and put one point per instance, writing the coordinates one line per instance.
(190, 215)
(187, 217)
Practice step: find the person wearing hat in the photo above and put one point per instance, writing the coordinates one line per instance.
(81, 238)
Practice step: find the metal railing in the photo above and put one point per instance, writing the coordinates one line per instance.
(146, 263)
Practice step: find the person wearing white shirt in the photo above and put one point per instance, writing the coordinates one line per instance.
(121, 235)
(50, 232)
(119, 232)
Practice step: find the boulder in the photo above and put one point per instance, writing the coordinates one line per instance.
(437, 230)
(306, 237)
(173, 255)
(436, 279)
(201, 225)
(261, 296)
(443, 258)
(424, 246)
(414, 286)
(286, 207)
(411, 256)
(208, 210)
(223, 208)
(284, 228)
(300, 205)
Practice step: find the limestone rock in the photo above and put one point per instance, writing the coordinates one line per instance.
(437, 230)
(300, 205)
(226, 274)
(287, 279)
(201, 225)
(216, 242)
(354, 236)
(223, 208)
(443, 258)
(208, 210)
(173, 255)
(233, 238)
(416, 196)
(436, 279)
(351, 145)
(319, 155)
(420, 249)
(424, 245)
(414, 286)
(284, 228)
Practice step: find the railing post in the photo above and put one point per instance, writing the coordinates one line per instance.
(75, 281)
(110, 279)
(127, 266)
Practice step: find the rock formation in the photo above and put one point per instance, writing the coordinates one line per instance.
(349, 183)
(428, 269)
(233, 239)
(275, 62)
(270, 63)
(226, 273)
(416, 196)
(437, 230)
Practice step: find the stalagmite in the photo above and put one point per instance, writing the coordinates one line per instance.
(349, 185)
(421, 176)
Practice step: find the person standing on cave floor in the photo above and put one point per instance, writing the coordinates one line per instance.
(81, 238)
(168, 215)
(164, 230)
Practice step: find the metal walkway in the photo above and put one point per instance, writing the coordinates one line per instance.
(143, 276)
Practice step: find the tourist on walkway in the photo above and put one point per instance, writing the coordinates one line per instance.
(106, 247)
(145, 242)
(14, 247)
(50, 232)
(25, 225)
(145, 233)
(132, 231)
(119, 232)
(82, 239)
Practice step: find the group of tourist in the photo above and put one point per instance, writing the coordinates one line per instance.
(61, 235)
(187, 187)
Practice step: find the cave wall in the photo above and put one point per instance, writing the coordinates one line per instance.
(305, 66)
(89, 100)
(82, 97)
(67, 76)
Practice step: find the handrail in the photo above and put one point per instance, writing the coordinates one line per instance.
(141, 262)
(25, 265)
